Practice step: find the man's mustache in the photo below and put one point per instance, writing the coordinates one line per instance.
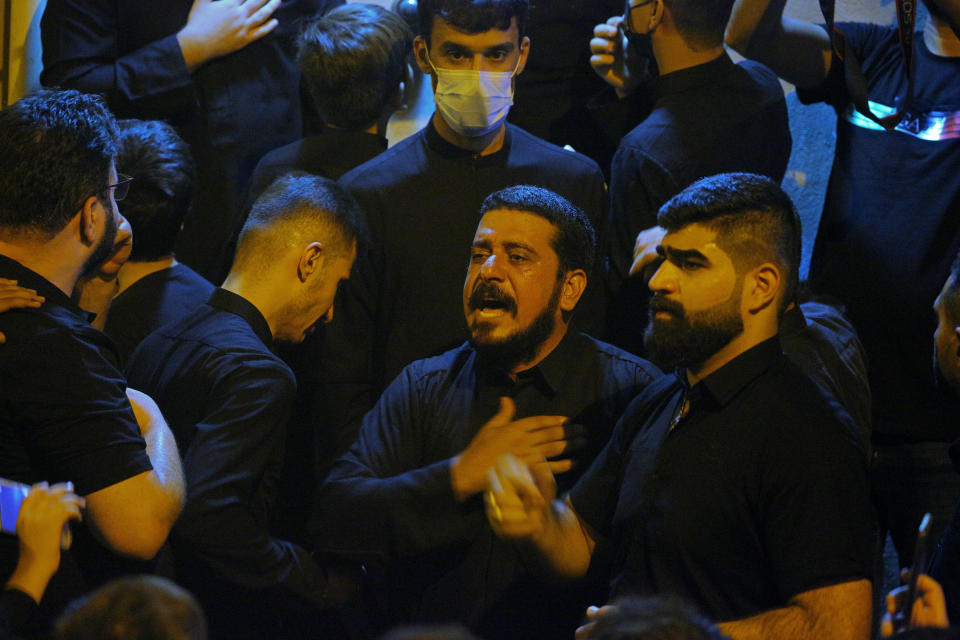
(659, 303)
(487, 294)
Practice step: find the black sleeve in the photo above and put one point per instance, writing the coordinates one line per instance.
(81, 425)
(81, 51)
(945, 566)
(16, 609)
(381, 500)
(235, 450)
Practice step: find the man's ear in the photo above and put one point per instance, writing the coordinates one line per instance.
(656, 17)
(420, 51)
(89, 215)
(311, 261)
(524, 54)
(762, 287)
(574, 284)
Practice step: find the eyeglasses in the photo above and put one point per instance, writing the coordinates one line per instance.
(628, 13)
(122, 187)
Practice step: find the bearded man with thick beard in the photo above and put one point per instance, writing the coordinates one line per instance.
(406, 497)
(735, 482)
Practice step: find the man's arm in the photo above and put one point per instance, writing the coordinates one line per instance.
(521, 505)
(232, 464)
(797, 51)
(840, 612)
(135, 515)
(81, 50)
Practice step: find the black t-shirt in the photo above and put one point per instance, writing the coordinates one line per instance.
(758, 494)
(891, 224)
(153, 301)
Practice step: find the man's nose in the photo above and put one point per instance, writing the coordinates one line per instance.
(490, 269)
(663, 278)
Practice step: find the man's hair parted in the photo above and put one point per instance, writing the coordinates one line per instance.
(575, 239)
(473, 16)
(55, 152)
(755, 221)
(353, 60)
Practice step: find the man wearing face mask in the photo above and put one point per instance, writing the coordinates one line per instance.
(696, 114)
(420, 198)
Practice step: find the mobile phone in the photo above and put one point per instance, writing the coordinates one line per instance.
(11, 497)
(921, 554)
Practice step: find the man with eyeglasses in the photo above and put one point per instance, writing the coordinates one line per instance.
(696, 114)
(66, 413)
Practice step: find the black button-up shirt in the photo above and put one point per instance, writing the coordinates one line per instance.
(759, 493)
(226, 397)
(390, 498)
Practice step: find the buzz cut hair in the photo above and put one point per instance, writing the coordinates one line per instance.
(754, 219)
(298, 208)
(701, 23)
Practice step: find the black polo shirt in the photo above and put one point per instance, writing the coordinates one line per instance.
(758, 494)
(389, 499)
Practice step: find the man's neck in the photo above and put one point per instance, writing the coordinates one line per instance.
(131, 272)
(544, 350)
(45, 259)
(736, 347)
(673, 54)
(259, 296)
(940, 39)
(481, 145)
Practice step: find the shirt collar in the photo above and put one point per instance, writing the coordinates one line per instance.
(232, 303)
(354, 138)
(793, 320)
(549, 373)
(52, 294)
(449, 150)
(695, 77)
(724, 383)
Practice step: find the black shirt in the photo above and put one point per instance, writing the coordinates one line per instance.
(758, 494)
(822, 342)
(226, 397)
(422, 198)
(153, 301)
(64, 413)
(390, 499)
(712, 118)
(890, 227)
(329, 155)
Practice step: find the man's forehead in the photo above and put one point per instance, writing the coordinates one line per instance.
(691, 237)
(515, 225)
(444, 33)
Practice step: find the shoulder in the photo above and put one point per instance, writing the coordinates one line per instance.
(619, 359)
(525, 143)
(387, 166)
(436, 370)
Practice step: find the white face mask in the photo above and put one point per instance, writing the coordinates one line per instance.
(473, 103)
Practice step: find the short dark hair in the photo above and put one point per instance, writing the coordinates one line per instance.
(700, 23)
(55, 152)
(160, 162)
(353, 60)
(295, 206)
(134, 608)
(654, 618)
(755, 221)
(473, 16)
(575, 240)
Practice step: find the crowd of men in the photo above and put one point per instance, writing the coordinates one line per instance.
(331, 388)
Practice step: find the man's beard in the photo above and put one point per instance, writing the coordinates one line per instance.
(520, 346)
(690, 340)
(104, 248)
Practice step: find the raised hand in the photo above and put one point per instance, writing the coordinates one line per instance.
(610, 57)
(519, 497)
(529, 439)
(13, 296)
(646, 260)
(217, 27)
